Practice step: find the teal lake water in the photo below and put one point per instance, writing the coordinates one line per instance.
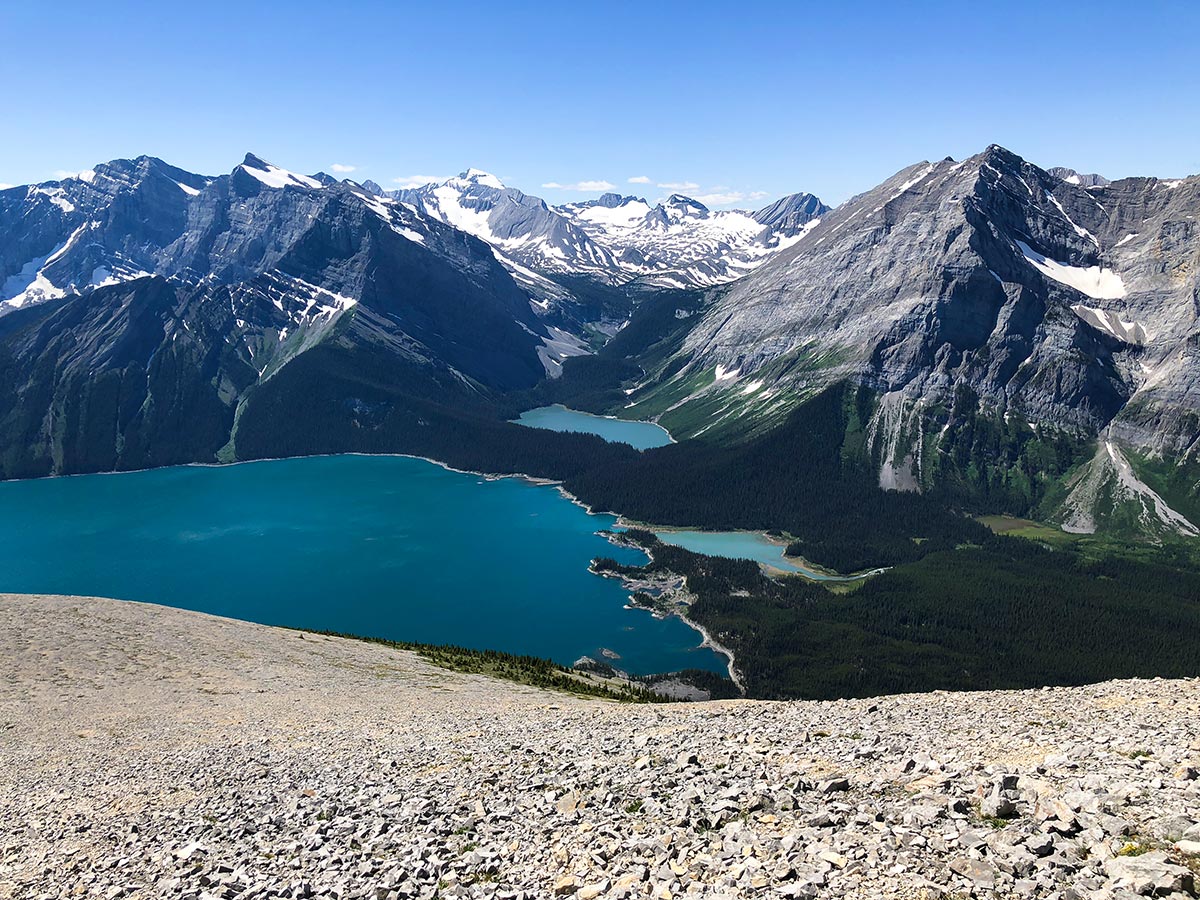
(384, 546)
(639, 435)
(643, 436)
(742, 545)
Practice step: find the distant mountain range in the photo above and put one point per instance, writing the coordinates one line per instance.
(619, 241)
(1027, 339)
(580, 264)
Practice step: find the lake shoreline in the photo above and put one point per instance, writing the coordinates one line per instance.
(800, 567)
(583, 414)
(623, 521)
(716, 662)
(677, 607)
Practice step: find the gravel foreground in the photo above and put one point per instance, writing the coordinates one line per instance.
(152, 752)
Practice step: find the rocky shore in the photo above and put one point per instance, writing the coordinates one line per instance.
(153, 752)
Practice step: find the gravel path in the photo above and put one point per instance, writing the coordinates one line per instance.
(147, 751)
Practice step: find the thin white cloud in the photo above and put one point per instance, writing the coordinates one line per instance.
(586, 186)
(63, 174)
(342, 167)
(679, 185)
(720, 198)
(4, 187)
(638, 179)
(718, 194)
(415, 181)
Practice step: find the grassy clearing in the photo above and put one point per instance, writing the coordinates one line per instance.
(1028, 528)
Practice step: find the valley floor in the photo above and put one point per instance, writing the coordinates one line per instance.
(148, 751)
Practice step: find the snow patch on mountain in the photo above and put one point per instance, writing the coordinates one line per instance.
(57, 196)
(1094, 281)
(275, 177)
(31, 284)
(103, 276)
(1082, 232)
(478, 176)
(912, 182)
(447, 203)
(1111, 323)
(783, 242)
(625, 216)
(35, 289)
(16, 286)
(388, 211)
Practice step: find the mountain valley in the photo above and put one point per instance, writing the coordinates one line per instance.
(971, 346)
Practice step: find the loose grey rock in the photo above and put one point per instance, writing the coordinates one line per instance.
(1151, 874)
(151, 752)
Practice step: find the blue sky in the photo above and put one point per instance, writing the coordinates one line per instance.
(731, 102)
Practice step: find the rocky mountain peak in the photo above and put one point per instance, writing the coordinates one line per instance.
(683, 202)
(790, 214)
(255, 162)
(612, 200)
(256, 169)
(482, 178)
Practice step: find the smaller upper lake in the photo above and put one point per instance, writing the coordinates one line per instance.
(744, 545)
(644, 435)
(639, 435)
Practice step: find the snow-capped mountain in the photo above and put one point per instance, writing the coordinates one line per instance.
(614, 240)
(130, 219)
(680, 242)
(153, 308)
(537, 245)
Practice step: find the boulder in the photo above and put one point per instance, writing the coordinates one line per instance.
(1150, 874)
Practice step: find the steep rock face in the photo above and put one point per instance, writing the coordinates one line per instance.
(129, 219)
(100, 227)
(790, 215)
(154, 372)
(1067, 306)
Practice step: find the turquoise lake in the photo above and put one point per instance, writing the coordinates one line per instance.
(643, 436)
(743, 545)
(639, 435)
(384, 546)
